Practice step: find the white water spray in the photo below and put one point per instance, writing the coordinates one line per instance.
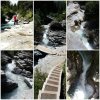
(22, 87)
(80, 32)
(84, 90)
(45, 39)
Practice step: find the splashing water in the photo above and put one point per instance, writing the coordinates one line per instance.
(13, 2)
(45, 39)
(84, 90)
(80, 32)
(19, 92)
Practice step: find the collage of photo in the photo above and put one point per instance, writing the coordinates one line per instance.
(49, 49)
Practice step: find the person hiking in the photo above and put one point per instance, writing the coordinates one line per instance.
(15, 19)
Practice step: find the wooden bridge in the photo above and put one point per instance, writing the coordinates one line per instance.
(52, 86)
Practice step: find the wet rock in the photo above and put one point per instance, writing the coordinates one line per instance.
(38, 55)
(55, 26)
(17, 70)
(7, 85)
(92, 33)
(57, 38)
(5, 60)
(29, 82)
(26, 73)
(63, 23)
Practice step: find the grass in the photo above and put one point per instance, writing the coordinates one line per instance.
(39, 79)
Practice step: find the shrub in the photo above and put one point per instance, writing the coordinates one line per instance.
(39, 79)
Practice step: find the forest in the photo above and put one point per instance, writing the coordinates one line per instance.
(54, 9)
(23, 9)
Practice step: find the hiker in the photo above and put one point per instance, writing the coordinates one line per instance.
(15, 19)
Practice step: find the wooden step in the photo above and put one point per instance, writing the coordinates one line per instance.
(54, 78)
(47, 95)
(55, 75)
(55, 72)
(53, 82)
(51, 87)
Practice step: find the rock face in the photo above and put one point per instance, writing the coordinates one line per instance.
(92, 33)
(57, 33)
(75, 69)
(38, 55)
(6, 84)
(4, 60)
(24, 63)
(75, 15)
(55, 26)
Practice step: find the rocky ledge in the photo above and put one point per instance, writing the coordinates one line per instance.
(57, 33)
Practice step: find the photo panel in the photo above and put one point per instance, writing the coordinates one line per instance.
(17, 74)
(49, 49)
(82, 25)
(16, 25)
(82, 75)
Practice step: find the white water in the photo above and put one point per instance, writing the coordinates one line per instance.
(13, 2)
(45, 39)
(80, 32)
(22, 87)
(84, 90)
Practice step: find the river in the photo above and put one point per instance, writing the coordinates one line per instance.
(19, 92)
(83, 89)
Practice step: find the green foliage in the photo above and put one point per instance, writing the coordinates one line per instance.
(37, 20)
(92, 10)
(39, 79)
(24, 9)
(55, 9)
(37, 23)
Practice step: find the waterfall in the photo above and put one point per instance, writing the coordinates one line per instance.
(84, 90)
(45, 38)
(81, 33)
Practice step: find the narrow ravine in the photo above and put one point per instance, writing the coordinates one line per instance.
(81, 31)
(83, 89)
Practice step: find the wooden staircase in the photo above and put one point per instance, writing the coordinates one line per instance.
(52, 85)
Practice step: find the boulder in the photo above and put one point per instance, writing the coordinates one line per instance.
(55, 26)
(7, 85)
(38, 55)
(17, 70)
(5, 60)
(29, 82)
(57, 38)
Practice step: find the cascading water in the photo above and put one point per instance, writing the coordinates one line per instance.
(22, 87)
(81, 33)
(45, 38)
(83, 89)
